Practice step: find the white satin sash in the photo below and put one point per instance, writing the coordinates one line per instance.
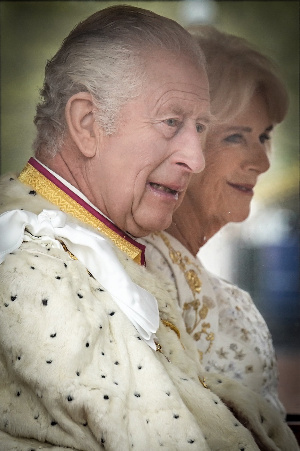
(95, 253)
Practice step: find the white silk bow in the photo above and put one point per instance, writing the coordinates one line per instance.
(95, 253)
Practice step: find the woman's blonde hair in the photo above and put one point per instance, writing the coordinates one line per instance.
(236, 70)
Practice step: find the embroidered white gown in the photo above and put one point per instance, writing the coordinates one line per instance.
(231, 335)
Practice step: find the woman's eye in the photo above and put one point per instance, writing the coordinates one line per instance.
(264, 137)
(171, 122)
(236, 138)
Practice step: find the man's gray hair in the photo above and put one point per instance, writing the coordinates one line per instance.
(105, 56)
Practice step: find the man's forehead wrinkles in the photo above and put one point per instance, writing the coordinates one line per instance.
(169, 86)
(178, 94)
(185, 90)
(173, 100)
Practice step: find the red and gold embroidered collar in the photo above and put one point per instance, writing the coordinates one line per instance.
(47, 185)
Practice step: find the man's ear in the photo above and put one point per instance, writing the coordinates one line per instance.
(82, 126)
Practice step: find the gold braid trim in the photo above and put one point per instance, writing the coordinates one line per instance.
(56, 196)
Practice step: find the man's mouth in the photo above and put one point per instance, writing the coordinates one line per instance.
(164, 189)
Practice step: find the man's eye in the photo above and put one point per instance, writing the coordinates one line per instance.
(200, 128)
(171, 122)
(264, 137)
(236, 138)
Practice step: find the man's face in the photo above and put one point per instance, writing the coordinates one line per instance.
(141, 172)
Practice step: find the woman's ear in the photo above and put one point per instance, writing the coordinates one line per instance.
(82, 126)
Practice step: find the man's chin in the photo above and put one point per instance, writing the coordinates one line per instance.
(143, 229)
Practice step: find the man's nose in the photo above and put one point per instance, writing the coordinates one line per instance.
(190, 151)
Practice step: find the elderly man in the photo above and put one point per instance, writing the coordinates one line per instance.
(93, 351)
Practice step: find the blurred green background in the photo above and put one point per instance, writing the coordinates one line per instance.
(31, 32)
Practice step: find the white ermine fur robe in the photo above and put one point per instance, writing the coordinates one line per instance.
(74, 374)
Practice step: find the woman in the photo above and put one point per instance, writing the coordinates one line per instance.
(247, 101)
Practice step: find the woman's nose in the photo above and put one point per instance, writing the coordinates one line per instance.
(257, 159)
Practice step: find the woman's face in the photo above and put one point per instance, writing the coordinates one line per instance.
(236, 153)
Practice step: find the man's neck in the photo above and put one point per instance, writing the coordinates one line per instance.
(55, 190)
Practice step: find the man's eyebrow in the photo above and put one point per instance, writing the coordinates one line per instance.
(207, 118)
(178, 110)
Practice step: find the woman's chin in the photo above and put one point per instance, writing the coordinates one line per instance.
(238, 215)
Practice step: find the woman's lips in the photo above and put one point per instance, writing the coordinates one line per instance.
(243, 188)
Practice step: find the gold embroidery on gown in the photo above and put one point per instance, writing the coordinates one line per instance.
(199, 311)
